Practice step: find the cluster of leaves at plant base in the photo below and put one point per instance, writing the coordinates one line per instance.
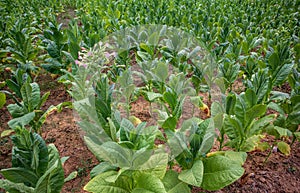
(129, 167)
(244, 120)
(35, 166)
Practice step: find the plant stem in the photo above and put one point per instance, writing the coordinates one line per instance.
(269, 154)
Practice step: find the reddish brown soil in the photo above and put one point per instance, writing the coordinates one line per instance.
(279, 174)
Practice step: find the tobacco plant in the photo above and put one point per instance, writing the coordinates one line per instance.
(36, 167)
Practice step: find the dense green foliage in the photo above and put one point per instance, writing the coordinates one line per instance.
(253, 43)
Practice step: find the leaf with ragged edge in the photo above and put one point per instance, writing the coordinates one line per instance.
(220, 171)
(194, 175)
(98, 184)
(53, 179)
(147, 183)
(284, 148)
(15, 187)
(21, 121)
(251, 143)
(2, 99)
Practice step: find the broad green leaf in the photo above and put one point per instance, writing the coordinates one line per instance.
(98, 184)
(177, 143)
(29, 152)
(294, 118)
(15, 187)
(276, 107)
(26, 92)
(251, 98)
(216, 108)
(156, 165)
(147, 183)
(233, 128)
(274, 60)
(20, 175)
(239, 157)
(16, 111)
(194, 175)
(53, 179)
(180, 188)
(276, 95)
(260, 123)
(284, 148)
(170, 123)
(173, 185)
(254, 112)
(153, 96)
(35, 97)
(282, 74)
(220, 171)
(162, 71)
(101, 168)
(21, 121)
(283, 132)
(110, 152)
(2, 99)
(230, 104)
(207, 131)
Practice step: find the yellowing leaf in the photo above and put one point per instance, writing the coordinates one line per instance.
(284, 148)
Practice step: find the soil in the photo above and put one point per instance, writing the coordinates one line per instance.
(279, 174)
